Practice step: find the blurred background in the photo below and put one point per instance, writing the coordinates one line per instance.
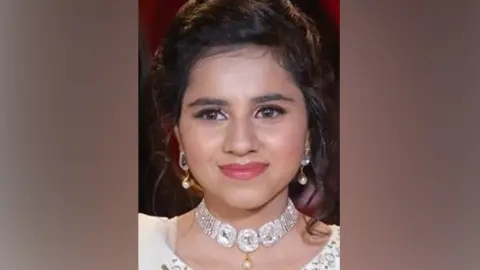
(160, 192)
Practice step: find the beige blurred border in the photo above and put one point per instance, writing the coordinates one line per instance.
(409, 90)
(68, 143)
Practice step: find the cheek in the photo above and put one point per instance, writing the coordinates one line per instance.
(200, 141)
(286, 144)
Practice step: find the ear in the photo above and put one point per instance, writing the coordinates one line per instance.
(176, 131)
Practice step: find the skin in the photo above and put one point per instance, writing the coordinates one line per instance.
(241, 107)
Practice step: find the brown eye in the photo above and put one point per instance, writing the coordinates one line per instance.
(209, 114)
(270, 112)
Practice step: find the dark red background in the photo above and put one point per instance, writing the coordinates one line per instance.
(156, 14)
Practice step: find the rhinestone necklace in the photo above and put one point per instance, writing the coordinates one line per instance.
(247, 240)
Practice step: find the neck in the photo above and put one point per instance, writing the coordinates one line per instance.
(242, 218)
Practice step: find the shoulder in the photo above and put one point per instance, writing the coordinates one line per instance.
(333, 244)
(152, 228)
(335, 236)
(148, 225)
(332, 250)
(331, 231)
(156, 236)
(329, 255)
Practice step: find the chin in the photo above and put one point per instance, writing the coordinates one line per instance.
(247, 200)
(243, 200)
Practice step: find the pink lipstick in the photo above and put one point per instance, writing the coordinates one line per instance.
(243, 171)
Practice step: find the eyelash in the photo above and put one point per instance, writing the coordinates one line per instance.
(278, 111)
(206, 114)
(212, 113)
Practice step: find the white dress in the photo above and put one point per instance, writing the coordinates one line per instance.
(156, 239)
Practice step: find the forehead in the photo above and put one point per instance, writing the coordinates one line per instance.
(241, 72)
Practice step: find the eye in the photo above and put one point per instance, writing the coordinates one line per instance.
(270, 112)
(211, 114)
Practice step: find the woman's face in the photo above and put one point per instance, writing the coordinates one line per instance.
(243, 127)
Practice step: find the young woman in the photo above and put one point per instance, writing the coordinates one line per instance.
(243, 84)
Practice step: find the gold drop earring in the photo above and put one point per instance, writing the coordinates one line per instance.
(182, 162)
(302, 178)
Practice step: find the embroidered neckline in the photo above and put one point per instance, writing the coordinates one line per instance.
(326, 259)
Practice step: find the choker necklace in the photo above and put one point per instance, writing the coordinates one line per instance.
(247, 240)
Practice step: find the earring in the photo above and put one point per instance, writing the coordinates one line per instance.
(302, 179)
(187, 182)
(182, 162)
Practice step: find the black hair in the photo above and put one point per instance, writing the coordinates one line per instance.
(295, 42)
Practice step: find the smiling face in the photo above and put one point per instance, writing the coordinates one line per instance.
(243, 127)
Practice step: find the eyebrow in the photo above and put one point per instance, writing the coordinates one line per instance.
(271, 97)
(208, 101)
(221, 102)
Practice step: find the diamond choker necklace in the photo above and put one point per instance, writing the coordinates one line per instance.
(247, 240)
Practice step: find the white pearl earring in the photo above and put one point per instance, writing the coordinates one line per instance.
(303, 179)
(182, 162)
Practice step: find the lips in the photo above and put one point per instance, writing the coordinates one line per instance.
(243, 171)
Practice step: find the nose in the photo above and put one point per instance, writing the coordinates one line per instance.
(240, 138)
